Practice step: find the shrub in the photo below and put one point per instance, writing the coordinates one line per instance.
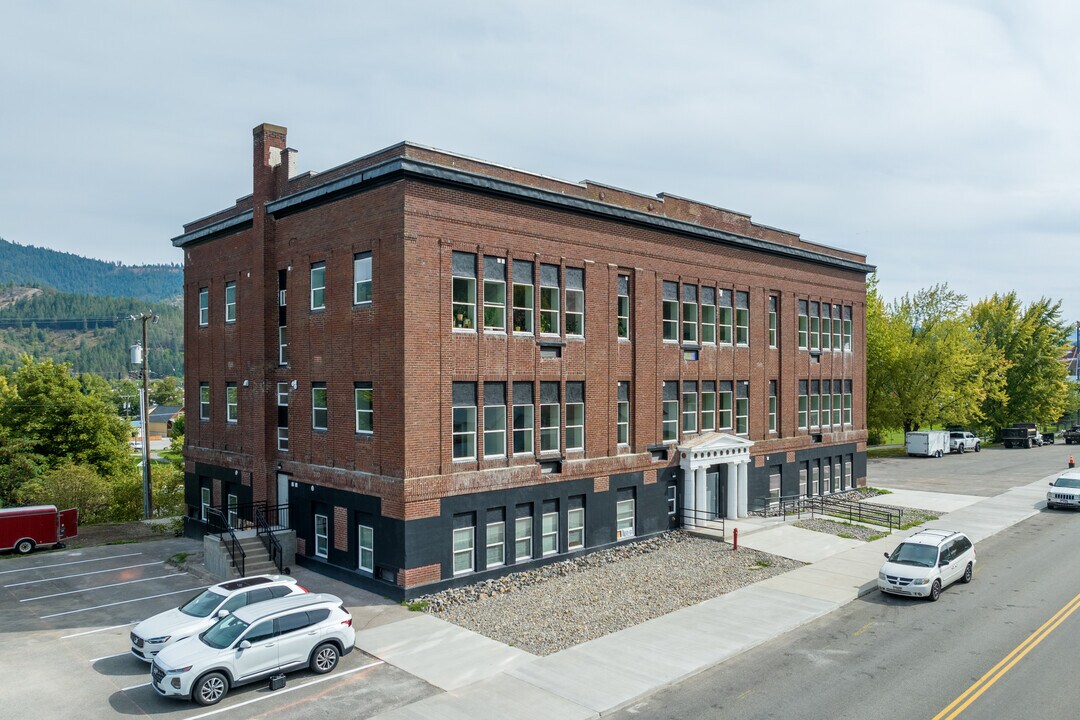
(71, 485)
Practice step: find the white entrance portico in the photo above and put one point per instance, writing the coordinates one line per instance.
(700, 459)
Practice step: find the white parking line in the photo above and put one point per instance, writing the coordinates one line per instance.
(91, 632)
(122, 602)
(106, 657)
(74, 562)
(102, 587)
(92, 572)
(135, 687)
(279, 693)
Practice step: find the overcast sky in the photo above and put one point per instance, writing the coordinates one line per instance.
(938, 138)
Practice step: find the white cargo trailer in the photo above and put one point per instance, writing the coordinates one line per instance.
(927, 443)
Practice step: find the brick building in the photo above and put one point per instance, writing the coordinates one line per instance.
(449, 369)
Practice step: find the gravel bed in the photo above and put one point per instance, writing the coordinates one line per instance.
(570, 602)
(855, 532)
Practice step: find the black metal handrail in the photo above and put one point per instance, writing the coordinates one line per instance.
(236, 551)
(692, 517)
(264, 531)
(833, 507)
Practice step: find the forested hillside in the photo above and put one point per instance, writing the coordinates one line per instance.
(94, 334)
(25, 265)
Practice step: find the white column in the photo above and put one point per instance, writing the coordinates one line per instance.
(699, 493)
(688, 498)
(744, 468)
(732, 492)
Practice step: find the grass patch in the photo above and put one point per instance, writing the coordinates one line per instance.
(878, 491)
(872, 538)
(121, 542)
(917, 521)
(763, 563)
(886, 452)
(416, 605)
(178, 559)
(846, 536)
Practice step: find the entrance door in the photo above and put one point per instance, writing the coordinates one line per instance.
(282, 500)
(714, 492)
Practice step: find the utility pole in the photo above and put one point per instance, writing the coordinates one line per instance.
(144, 412)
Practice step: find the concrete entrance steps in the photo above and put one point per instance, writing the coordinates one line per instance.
(257, 560)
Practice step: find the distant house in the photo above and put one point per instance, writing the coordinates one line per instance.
(162, 418)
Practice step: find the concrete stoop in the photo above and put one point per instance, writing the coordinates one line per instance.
(257, 560)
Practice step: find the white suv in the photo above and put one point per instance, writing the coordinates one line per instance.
(309, 630)
(152, 635)
(926, 562)
(1065, 492)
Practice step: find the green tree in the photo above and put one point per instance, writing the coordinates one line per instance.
(71, 485)
(168, 390)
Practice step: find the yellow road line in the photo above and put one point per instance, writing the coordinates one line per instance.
(995, 673)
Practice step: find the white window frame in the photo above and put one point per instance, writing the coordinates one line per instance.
(283, 345)
(622, 312)
(575, 426)
(774, 304)
(549, 534)
(232, 403)
(283, 394)
(804, 411)
(495, 429)
(672, 500)
(708, 397)
(231, 514)
(205, 499)
(317, 409)
(230, 302)
(546, 431)
(465, 534)
(624, 521)
(804, 325)
(772, 411)
(815, 409)
(837, 333)
(325, 536)
(622, 418)
(548, 294)
(725, 323)
(468, 415)
(575, 298)
(815, 326)
(493, 288)
(318, 286)
(283, 439)
(846, 310)
(708, 324)
(742, 416)
(364, 413)
(826, 326)
(365, 549)
(464, 288)
(826, 409)
(671, 318)
(725, 409)
(837, 405)
(525, 432)
(669, 421)
(527, 311)
(520, 537)
(742, 321)
(689, 317)
(362, 283)
(500, 544)
(204, 401)
(689, 411)
(575, 527)
(204, 307)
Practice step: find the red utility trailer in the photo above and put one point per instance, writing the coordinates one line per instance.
(24, 528)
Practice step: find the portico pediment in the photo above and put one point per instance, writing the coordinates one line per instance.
(712, 449)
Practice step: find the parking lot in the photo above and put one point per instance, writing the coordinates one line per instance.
(65, 618)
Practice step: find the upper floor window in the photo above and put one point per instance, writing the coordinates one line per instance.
(622, 309)
(804, 327)
(836, 323)
(742, 408)
(361, 278)
(319, 411)
(804, 392)
(204, 306)
(575, 302)
(774, 302)
(494, 293)
(204, 401)
(523, 296)
(742, 318)
(670, 421)
(464, 290)
(622, 415)
(772, 406)
(523, 418)
(826, 403)
(671, 311)
(815, 402)
(283, 394)
(549, 417)
(826, 326)
(283, 345)
(847, 402)
(464, 420)
(549, 299)
(689, 407)
(708, 406)
(708, 315)
(318, 286)
(724, 324)
(689, 313)
(230, 302)
(847, 328)
(837, 400)
(725, 405)
(575, 416)
(232, 403)
(815, 326)
(364, 399)
(494, 419)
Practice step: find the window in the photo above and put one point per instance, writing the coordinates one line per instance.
(575, 416)
(742, 408)
(230, 302)
(624, 518)
(283, 439)
(708, 315)
(322, 535)
(523, 296)
(463, 267)
(364, 401)
(847, 469)
(204, 401)
(231, 503)
(204, 507)
(773, 303)
(549, 299)
(803, 412)
(826, 476)
(826, 403)
(804, 478)
(815, 403)
(708, 406)
(837, 400)
(282, 282)
(826, 326)
(283, 346)
(463, 550)
(725, 405)
(622, 308)
(318, 286)
(815, 477)
(772, 406)
(494, 419)
(283, 416)
(670, 422)
(523, 530)
(689, 313)
(804, 321)
(622, 415)
(496, 544)
(689, 407)
(464, 420)
(815, 326)
(361, 278)
(523, 418)
(672, 506)
(283, 394)
(836, 334)
(724, 325)
(204, 307)
(575, 302)
(494, 294)
(847, 328)
(575, 527)
(742, 318)
(847, 402)
(319, 413)
(232, 403)
(549, 533)
(549, 417)
(671, 311)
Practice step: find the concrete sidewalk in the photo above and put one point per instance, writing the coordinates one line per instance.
(486, 679)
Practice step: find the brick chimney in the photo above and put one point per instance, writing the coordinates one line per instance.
(269, 142)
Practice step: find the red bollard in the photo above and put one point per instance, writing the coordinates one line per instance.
(735, 539)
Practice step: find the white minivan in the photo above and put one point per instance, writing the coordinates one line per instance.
(277, 636)
(926, 562)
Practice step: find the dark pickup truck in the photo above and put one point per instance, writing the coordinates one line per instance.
(1072, 435)
(1021, 435)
